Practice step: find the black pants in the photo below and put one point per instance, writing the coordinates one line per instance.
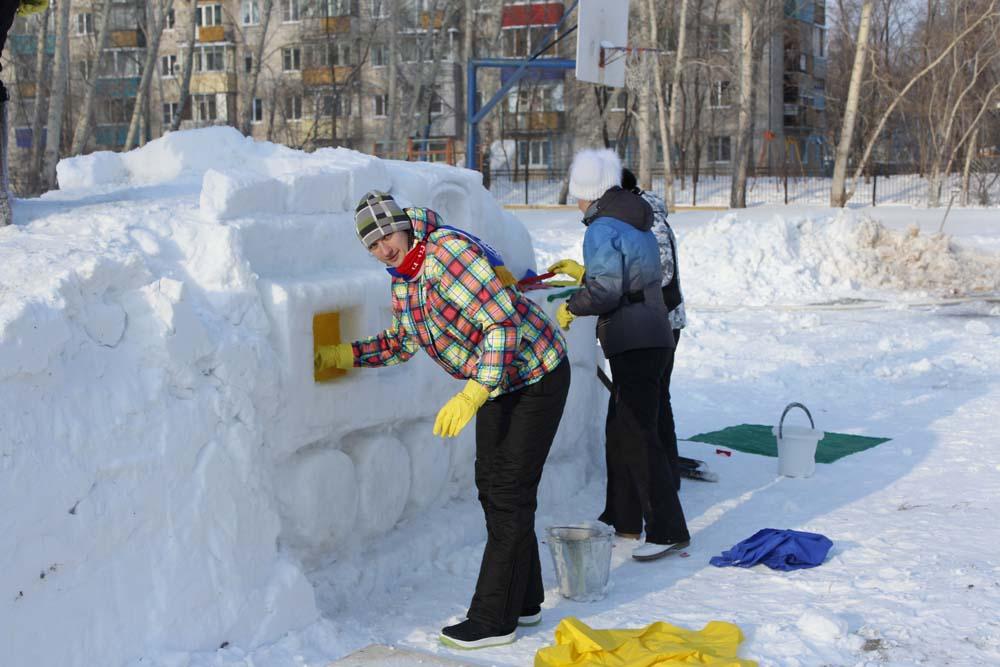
(513, 436)
(641, 488)
(668, 432)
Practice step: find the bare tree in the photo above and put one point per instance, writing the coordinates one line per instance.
(989, 12)
(837, 197)
(643, 116)
(738, 191)
(57, 97)
(668, 134)
(153, 36)
(185, 93)
(258, 58)
(83, 124)
(41, 65)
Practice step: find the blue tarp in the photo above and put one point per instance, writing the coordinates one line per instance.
(778, 549)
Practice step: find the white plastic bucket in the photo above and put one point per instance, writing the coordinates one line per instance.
(796, 445)
(581, 555)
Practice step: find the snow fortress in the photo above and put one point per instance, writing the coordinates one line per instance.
(169, 471)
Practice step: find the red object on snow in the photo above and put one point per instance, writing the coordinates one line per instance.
(723, 452)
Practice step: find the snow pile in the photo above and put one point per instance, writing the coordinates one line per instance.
(168, 467)
(909, 261)
(796, 259)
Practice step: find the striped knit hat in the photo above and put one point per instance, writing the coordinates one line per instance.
(379, 215)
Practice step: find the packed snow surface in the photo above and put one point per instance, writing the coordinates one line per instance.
(177, 492)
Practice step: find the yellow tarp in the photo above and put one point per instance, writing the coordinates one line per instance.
(578, 645)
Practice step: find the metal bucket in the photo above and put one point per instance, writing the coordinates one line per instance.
(581, 555)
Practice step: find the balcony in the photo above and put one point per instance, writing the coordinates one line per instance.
(348, 127)
(428, 21)
(127, 39)
(332, 24)
(111, 135)
(213, 33)
(118, 87)
(535, 121)
(326, 76)
(27, 45)
(203, 83)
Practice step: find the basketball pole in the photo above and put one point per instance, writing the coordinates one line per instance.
(474, 116)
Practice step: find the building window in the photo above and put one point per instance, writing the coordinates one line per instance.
(721, 95)
(208, 15)
(250, 12)
(618, 101)
(379, 8)
(381, 106)
(521, 41)
(293, 107)
(170, 111)
(379, 55)
(168, 66)
(210, 59)
(84, 24)
(258, 110)
(335, 7)
(289, 10)
(117, 111)
(291, 59)
(328, 54)
(719, 149)
(248, 63)
(204, 107)
(437, 105)
(339, 106)
(121, 63)
(171, 20)
(718, 37)
(534, 153)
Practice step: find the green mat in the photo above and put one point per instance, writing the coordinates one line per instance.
(758, 439)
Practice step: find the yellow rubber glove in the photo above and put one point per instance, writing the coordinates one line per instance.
(564, 317)
(460, 409)
(507, 278)
(570, 268)
(340, 355)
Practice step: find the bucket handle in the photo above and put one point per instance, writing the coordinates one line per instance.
(788, 407)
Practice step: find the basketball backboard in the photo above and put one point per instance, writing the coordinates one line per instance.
(601, 23)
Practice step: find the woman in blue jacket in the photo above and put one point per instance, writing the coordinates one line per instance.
(621, 285)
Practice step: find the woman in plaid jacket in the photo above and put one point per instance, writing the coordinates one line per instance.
(463, 310)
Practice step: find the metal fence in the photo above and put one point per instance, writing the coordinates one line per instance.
(911, 189)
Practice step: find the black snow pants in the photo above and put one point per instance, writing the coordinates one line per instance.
(668, 430)
(640, 481)
(514, 433)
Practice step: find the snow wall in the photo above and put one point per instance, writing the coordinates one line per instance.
(169, 471)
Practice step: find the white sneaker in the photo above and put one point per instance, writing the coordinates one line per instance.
(651, 551)
(530, 619)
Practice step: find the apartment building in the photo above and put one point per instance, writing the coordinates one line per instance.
(388, 77)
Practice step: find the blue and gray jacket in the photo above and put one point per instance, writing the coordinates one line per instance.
(622, 282)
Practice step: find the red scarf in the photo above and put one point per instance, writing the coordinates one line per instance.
(412, 262)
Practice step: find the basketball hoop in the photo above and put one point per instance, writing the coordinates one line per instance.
(640, 64)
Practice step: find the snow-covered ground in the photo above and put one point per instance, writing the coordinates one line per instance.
(171, 480)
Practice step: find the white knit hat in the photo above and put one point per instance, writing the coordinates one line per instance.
(593, 173)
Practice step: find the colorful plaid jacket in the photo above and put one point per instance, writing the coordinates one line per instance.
(457, 310)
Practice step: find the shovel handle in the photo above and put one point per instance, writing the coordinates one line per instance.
(788, 407)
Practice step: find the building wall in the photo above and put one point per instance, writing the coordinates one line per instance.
(322, 73)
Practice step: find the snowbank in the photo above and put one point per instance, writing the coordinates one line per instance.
(799, 258)
(168, 468)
